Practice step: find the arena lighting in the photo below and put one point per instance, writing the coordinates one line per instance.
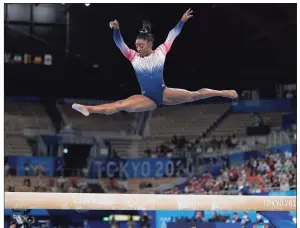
(79, 201)
(87, 4)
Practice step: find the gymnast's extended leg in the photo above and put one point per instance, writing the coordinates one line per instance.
(136, 103)
(173, 96)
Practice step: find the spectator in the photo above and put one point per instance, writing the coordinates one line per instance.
(85, 172)
(27, 168)
(199, 217)
(245, 219)
(148, 152)
(61, 181)
(11, 188)
(284, 185)
(259, 218)
(54, 188)
(122, 186)
(27, 185)
(234, 141)
(236, 218)
(214, 143)
(174, 140)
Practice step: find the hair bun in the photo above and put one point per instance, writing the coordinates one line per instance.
(146, 27)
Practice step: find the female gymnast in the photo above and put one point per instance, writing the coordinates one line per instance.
(148, 65)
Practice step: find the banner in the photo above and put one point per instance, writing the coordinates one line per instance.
(32, 166)
(138, 168)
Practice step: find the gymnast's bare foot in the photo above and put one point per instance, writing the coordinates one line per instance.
(81, 108)
(230, 94)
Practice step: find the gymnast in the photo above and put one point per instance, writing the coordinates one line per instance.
(148, 65)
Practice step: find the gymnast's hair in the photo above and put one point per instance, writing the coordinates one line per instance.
(145, 32)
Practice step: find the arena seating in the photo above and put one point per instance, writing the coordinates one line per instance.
(237, 123)
(20, 116)
(189, 120)
(274, 119)
(122, 146)
(16, 145)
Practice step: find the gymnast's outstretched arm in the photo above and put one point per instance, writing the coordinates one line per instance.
(166, 46)
(126, 51)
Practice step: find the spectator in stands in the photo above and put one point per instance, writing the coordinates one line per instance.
(122, 185)
(243, 146)
(27, 185)
(236, 218)
(35, 169)
(61, 181)
(214, 142)
(275, 183)
(54, 188)
(112, 184)
(234, 141)
(148, 152)
(181, 142)
(85, 172)
(199, 217)
(144, 184)
(257, 120)
(228, 142)
(209, 149)
(27, 168)
(259, 218)
(174, 140)
(284, 185)
(246, 220)
(11, 188)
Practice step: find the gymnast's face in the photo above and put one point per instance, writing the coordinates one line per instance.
(143, 47)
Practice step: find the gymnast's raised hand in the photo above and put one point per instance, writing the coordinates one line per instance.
(187, 15)
(114, 24)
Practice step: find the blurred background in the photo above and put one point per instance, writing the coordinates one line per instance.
(59, 54)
